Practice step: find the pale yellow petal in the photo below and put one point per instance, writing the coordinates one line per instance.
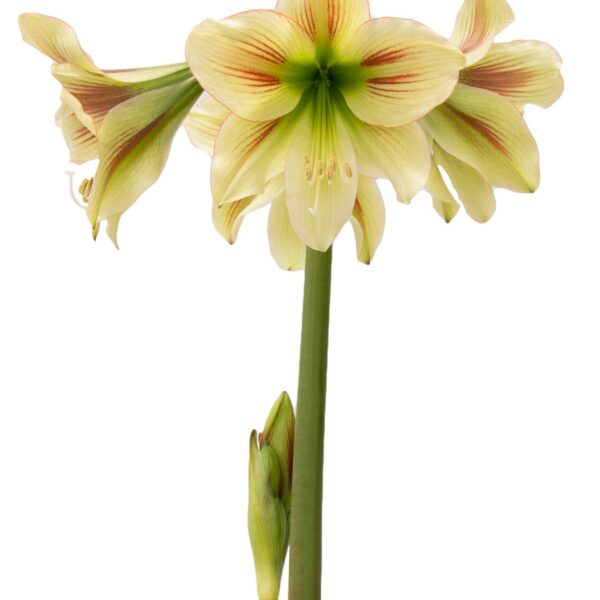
(248, 62)
(247, 155)
(112, 226)
(56, 40)
(488, 133)
(368, 219)
(82, 143)
(228, 218)
(93, 94)
(400, 154)
(443, 201)
(477, 24)
(395, 71)
(524, 72)
(475, 193)
(145, 74)
(204, 122)
(97, 93)
(134, 143)
(332, 21)
(288, 250)
(320, 176)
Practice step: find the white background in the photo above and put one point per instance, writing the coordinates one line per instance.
(463, 433)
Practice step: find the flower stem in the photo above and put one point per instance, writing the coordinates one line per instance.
(307, 482)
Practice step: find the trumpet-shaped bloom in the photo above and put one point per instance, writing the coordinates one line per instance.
(368, 214)
(127, 119)
(311, 102)
(479, 135)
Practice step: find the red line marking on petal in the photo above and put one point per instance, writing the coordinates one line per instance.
(254, 78)
(395, 79)
(307, 19)
(497, 80)
(478, 30)
(269, 52)
(385, 56)
(486, 130)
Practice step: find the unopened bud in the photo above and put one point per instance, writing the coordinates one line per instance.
(270, 478)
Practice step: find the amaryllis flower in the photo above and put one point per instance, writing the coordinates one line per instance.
(320, 99)
(479, 135)
(368, 214)
(126, 119)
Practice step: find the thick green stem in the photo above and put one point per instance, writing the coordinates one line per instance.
(307, 482)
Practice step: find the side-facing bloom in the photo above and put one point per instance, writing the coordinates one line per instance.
(320, 99)
(479, 135)
(127, 119)
(270, 496)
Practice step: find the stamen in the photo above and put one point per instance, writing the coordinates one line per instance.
(331, 169)
(308, 170)
(71, 176)
(85, 189)
(324, 160)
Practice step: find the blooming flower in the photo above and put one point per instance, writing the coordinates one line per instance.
(318, 100)
(127, 119)
(479, 135)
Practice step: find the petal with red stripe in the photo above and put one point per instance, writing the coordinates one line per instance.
(333, 21)
(477, 24)
(254, 62)
(524, 72)
(395, 71)
(488, 133)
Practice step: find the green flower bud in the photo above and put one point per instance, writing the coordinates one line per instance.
(270, 479)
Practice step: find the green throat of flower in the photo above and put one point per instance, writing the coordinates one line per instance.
(326, 161)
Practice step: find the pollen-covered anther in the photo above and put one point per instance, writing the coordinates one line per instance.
(331, 169)
(320, 168)
(308, 170)
(347, 170)
(85, 189)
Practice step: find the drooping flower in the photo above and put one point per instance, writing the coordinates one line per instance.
(480, 138)
(127, 118)
(311, 102)
(270, 496)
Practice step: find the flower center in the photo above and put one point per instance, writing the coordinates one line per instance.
(323, 77)
(324, 163)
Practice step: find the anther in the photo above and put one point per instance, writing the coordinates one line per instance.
(308, 171)
(320, 168)
(85, 189)
(81, 200)
(331, 169)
